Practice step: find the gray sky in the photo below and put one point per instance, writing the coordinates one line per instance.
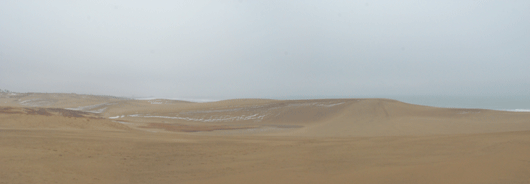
(244, 49)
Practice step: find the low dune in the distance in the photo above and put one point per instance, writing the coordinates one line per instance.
(71, 138)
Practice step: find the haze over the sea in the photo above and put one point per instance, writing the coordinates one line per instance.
(472, 53)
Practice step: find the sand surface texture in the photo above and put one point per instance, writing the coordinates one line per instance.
(70, 138)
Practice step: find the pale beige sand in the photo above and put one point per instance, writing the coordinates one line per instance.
(257, 141)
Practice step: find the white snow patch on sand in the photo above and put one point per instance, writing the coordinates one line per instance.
(98, 108)
(179, 99)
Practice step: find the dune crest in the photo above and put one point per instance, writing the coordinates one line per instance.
(320, 117)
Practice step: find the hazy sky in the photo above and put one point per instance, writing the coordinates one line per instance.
(244, 49)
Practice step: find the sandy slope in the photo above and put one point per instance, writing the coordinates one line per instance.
(114, 140)
(390, 118)
(49, 156)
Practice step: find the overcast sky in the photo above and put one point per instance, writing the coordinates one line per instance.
(265, 49)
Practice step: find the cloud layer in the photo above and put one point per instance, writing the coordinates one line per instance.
(234, 49)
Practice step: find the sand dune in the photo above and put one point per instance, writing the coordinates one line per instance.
(379, 117)
(70, 138)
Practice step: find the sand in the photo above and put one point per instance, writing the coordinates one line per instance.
(256, 141)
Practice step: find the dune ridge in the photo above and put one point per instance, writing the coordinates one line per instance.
(70, 138)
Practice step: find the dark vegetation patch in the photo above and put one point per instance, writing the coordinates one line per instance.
(37, 111)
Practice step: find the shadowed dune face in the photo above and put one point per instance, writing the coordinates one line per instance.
(91, 139)
(54, 118)
(48, 112)
(9, 110)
